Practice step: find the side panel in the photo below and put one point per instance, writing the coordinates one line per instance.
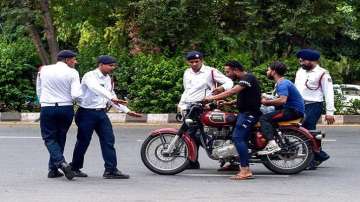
(188, 140)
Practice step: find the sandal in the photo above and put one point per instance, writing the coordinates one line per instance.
(241, 176)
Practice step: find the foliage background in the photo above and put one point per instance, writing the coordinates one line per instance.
(150, 38)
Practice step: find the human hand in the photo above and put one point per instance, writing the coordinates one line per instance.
(134, 114)
(119, 101)
(263, 101)
(218, 90)
(224, 103)
(330, 119)
(208, 99)
(207, 107)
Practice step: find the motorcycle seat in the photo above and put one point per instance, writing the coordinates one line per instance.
(291, 122)
(283, 123)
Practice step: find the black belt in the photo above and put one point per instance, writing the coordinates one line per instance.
(92, 109)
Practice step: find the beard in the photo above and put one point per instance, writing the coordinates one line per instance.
(306, 67)
(270, 77)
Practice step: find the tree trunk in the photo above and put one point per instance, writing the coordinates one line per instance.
(37, 42)
(49, 30)
(135, 41)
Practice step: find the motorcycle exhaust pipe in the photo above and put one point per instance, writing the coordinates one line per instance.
(317, 134)
(320, 136)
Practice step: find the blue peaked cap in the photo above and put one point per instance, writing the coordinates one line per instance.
(194, 55)
(66, 54)
(308, 54)
(106, 59)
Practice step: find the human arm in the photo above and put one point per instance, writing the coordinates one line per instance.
(226, 103)
(328, 91)
(75, 86)
(100, 90)
(282, 90)
(38, 85)
(226, 82)
(125, 109)
(275, 102)
(181, 104)
(236, 89)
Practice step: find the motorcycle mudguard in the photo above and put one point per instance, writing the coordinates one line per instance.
(188, 140)
(304, 131)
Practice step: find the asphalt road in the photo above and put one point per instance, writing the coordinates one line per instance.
(23, 171)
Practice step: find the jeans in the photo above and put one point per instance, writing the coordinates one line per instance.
(194, 133)
(89, 121)
(268, 120)
(55, 123)
(312, 115)
(241, 135)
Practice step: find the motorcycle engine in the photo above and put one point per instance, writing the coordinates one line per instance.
(222, 144)
(218, 133)
(223, 149)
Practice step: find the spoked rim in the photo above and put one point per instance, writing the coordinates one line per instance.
(293, 158)
(154, 153)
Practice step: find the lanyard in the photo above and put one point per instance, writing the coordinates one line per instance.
(319, 84)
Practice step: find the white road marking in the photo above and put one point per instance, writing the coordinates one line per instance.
(228, 175)
(329, 140)
(139, 140)
(19, 137)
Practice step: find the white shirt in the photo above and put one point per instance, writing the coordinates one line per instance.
(195, 84)
(98, 91)
(57, 83)
(307, 82)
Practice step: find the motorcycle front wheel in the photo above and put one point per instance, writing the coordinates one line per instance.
(294, 156)
(154, 158)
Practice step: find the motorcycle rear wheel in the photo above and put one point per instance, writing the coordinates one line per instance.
(153, 157)
(293, 161)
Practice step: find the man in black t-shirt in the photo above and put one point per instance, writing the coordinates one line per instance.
(248, 102)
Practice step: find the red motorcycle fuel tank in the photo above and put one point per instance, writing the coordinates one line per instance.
(218, 118)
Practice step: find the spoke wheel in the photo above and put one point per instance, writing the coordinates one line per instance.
(154, 158)
(294, 157)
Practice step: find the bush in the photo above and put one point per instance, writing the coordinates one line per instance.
(156, 83)
(17, 73)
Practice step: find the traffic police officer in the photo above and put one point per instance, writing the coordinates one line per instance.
(91, 115)
(57, 86)
(314, 83)
(197, 79)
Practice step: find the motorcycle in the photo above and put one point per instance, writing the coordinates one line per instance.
(168, 151)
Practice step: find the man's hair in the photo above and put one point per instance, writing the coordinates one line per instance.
(235, 65)
(279, 67)
(61, 59)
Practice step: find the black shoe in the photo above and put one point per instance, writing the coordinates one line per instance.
(321, 157)
(54, 174)
(79, 173)
(312, 165)
(115, 175)
(318, 159)
(66, 168)
(193, 165)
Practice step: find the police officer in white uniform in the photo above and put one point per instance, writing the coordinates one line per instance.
(57, 86)
(199, 81)
(314, 84)
(91, 116)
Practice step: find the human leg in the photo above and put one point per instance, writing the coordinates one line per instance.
(267, 122)
(85, 121)
(240, 138)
